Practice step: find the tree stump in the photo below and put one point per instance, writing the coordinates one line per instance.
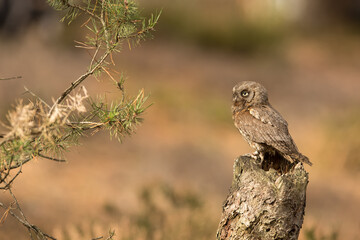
(265, 202)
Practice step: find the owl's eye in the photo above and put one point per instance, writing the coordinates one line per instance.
(244, 93)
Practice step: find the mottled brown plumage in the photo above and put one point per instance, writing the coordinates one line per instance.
(261, 125)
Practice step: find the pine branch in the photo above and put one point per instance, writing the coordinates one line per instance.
(8, 184)
(37, 129)
(23, 220)
(78, 82)
(10, 78)
(51, 158)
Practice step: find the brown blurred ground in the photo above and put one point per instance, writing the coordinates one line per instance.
(187, 139)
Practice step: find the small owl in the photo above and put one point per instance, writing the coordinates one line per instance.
(261, 125)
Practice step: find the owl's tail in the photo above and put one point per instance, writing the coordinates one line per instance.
(301, 158)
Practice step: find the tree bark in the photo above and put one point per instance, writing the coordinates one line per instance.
(264, 204)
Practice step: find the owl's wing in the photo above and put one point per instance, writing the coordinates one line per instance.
(265, 125)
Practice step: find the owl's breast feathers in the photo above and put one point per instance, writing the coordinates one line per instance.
(264, 125)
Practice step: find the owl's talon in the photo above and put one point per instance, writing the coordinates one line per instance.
(248, 155)
(256, 156)
(262, 157)
(251, 155)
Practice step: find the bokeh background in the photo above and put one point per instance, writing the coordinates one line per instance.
(175, 172)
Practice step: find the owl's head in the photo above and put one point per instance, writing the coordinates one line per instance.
(247, 94)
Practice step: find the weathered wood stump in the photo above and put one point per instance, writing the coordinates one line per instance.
(264, 203)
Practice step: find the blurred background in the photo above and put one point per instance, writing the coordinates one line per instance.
(171, 177)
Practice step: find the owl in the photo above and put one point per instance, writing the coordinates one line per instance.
(261, 125)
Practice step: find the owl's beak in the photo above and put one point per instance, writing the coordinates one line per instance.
(237, 101)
